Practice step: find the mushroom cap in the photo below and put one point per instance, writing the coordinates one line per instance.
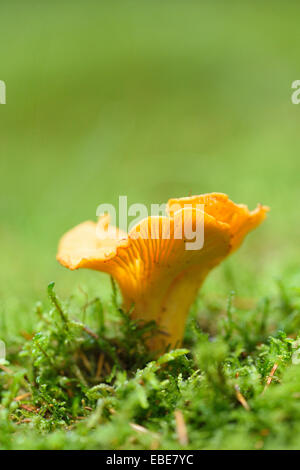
(90, 244)
(238, 217)
(99, 246)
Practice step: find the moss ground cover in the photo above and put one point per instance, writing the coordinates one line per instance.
(86, 380)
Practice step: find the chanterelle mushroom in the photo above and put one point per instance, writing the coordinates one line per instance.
(157, 275)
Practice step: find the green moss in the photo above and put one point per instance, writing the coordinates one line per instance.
(90, 382)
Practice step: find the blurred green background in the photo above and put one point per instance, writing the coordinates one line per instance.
(149, 99)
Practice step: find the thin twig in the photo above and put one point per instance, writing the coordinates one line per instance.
(85, 361)
(25, 420)
(6, 369)
(241, 398)
(23, 396)
(90, 332)
(139, 428)
(270, 377)
(100, 366)
(30, 408)
(142, 429)
(181, 428)
(135, 426)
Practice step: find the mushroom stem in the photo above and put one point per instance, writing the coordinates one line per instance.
(170, 309)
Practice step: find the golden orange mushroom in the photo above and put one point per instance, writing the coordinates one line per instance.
(158, 277)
